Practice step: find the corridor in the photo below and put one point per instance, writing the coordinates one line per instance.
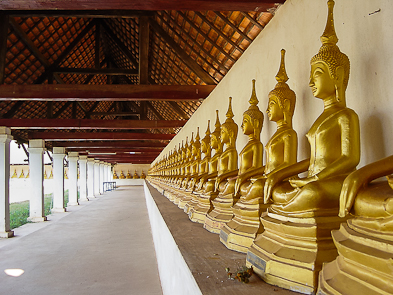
(103, 246)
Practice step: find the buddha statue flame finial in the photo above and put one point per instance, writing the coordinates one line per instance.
(217, 125)
(253, 111)
(229, 113)
(282, 76)
(282, 91)
(197, 138)
(329, 35)
(206, 139)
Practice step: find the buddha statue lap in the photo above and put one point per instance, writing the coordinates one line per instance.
(281, 151)
(208, 191)
(304, 210)
(365, 242)
(225, 181)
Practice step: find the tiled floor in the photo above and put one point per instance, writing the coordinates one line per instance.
(100, 247)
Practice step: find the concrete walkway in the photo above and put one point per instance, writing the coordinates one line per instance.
(103, 246)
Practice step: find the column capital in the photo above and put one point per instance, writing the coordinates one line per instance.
(36, 143)
(73, 156)
(97, 161)
(83, 158)
(90, 160)
(58, 150)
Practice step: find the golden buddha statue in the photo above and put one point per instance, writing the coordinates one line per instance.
(115, 175)
(179, 190)
(128, 175)
(281, 151)
(135, 176)
(203, 170)
(228, 168)
(305, 210)
(194, 173)
(182, 162)
(122, 175)
(22, 174)
(143, 175)
(208, 192)
(364, 243)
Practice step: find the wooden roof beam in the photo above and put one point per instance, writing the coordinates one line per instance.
(79, 13)
(84, 136)
(117, 150)
(192, 64)
(109, 144)
(95, 71)
(124, 5)
(89, 124)
(120, 92)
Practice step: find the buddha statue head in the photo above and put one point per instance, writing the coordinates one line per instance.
(196, 146)
(205, 142)
(253, 118)
(282, 99)
(215, 142)
(229, 129)
(329, 67)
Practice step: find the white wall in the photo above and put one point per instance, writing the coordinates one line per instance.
(132, 168)
(366, 37)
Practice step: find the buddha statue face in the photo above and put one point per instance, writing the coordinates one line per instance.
(214, 141)
(224, 135)
(247, 125)
(203, 147)
(322, 83)
(274, 110)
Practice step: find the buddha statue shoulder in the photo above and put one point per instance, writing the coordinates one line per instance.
(227, 166)
(204, 163)
(251, 156)
(334, 140)
(281, 149)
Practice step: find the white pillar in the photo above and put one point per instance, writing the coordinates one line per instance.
(36, 166)
(83, 178)
(96, 178)
(5, 138)
(58, 179)
(73, 178)
(109, 172)
(105, 171)
(101, 177)
(90, 178)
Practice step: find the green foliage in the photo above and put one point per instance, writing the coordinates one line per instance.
(19, 212)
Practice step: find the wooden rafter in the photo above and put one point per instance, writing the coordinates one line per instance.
(143, 50)
(12, 111)
(80, 92)
(65, 53)
(206, 37)
(178, 110)
(123, 48)
(192, 64)
(89, 124)
(4, 24)
(33, 48)
(87, 71)
(218, 31)
(83, 136)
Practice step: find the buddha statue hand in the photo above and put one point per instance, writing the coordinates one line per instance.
(351, 186)
(271, 181)
(300, 182)
(238, 183)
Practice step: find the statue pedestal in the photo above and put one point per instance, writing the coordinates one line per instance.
(364, 264)
(221, 214)
(291, 250)
(199, 211)
(192, 202)
(184, 199)
(239, 233)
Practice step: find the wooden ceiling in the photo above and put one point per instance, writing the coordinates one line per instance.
(116, 79)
